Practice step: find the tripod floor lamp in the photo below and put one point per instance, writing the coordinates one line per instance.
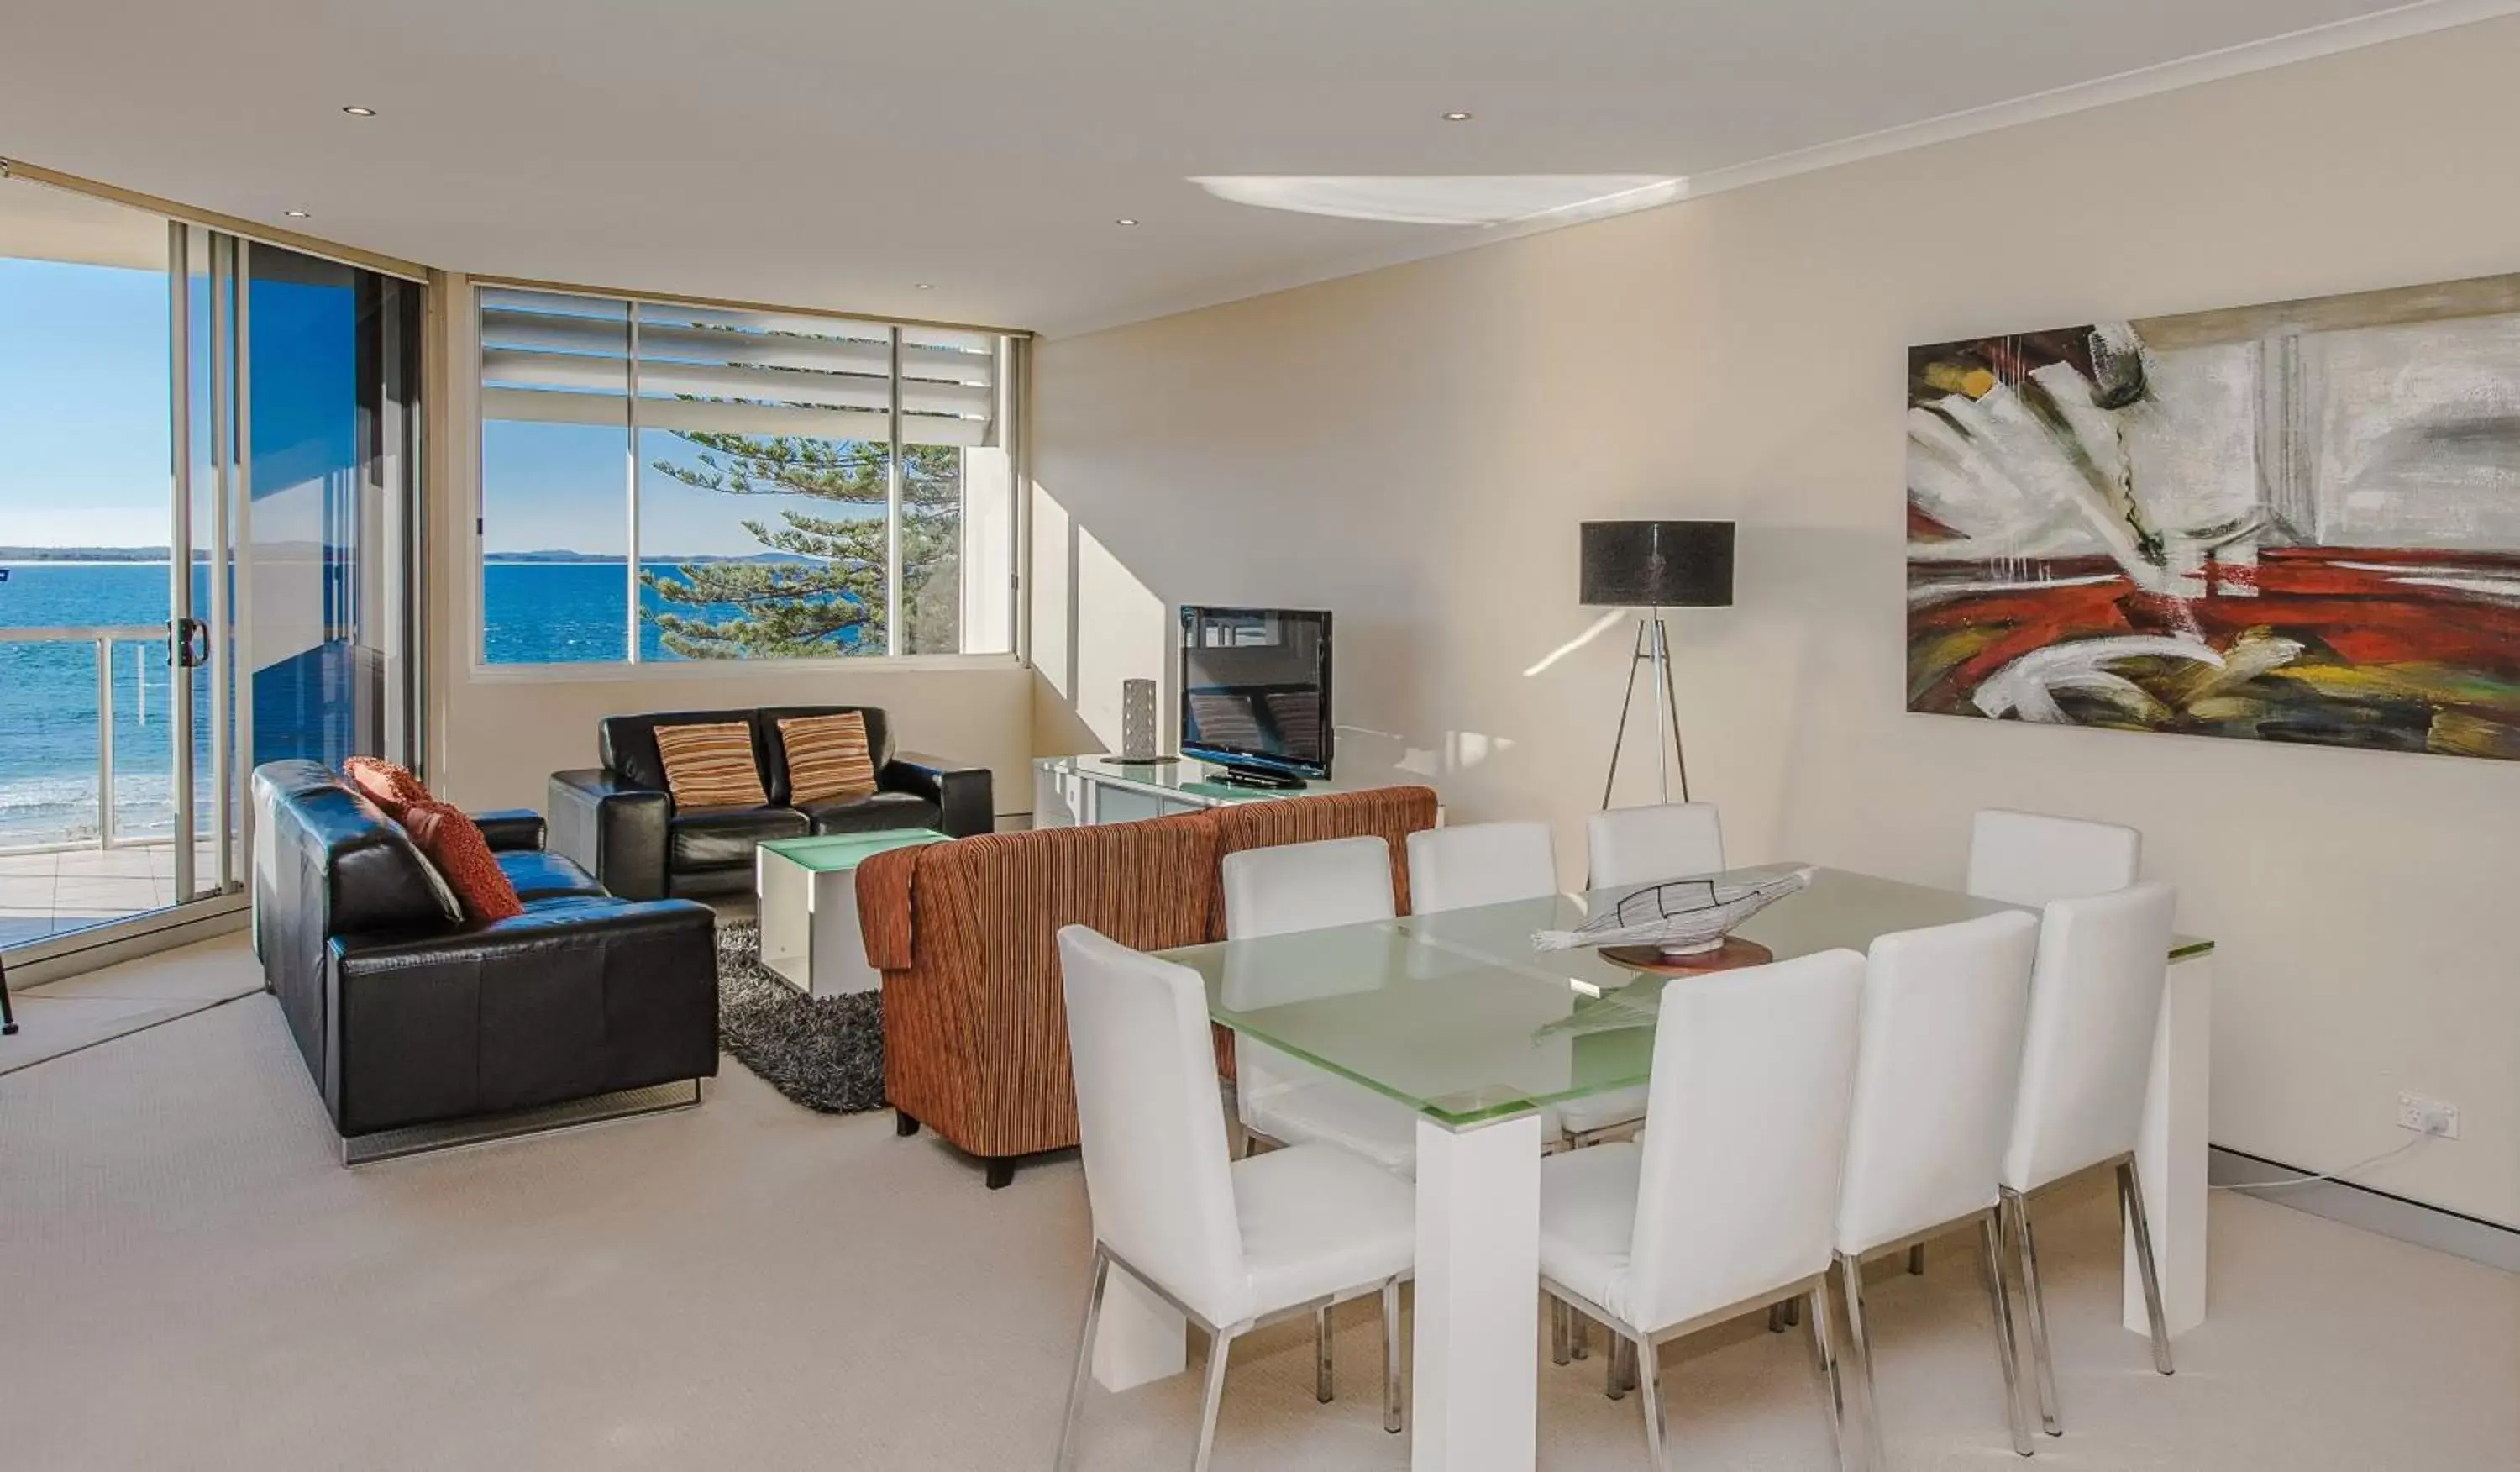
(1653, 566)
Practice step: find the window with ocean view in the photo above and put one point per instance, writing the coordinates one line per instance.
(664, 482)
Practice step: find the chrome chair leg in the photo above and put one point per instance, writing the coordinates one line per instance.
(1218, 1347)
(2034, 1305)
(1859, 1341)
(2131, 1193)
(2000, 1301)
(1391, 1356)
(1832, 1388)
(1648, 1379)
(1084, 1359)
(1321, 1354)
(1614, 1369)
(1917, 1259)
(1558, 1330)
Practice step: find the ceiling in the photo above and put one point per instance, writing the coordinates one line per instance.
(838, 153)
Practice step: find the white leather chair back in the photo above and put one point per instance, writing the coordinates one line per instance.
(1642, 844)
(1336, 880)
(2094, 999)
(1480, 863)
(1935, 1075)
(2032, 859)
(1746, 1120)
(1158, 1176)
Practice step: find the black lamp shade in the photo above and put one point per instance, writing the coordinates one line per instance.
(1658, 564)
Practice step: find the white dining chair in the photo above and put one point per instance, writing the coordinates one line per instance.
(1638, 846)
(1728, 1203)
(1279, 1098)
(1232, 1244)
(1642, 844)
(2094, 999)
(2031, 857)
(1935, 1075)
(1480, 863)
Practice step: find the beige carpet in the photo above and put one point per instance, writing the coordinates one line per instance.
(188, 1279)
(83, 1011)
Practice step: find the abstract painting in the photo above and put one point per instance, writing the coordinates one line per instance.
(2294, 522)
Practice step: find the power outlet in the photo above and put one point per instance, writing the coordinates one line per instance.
(2428, 1116)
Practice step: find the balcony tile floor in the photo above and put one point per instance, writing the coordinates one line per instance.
(44, 894)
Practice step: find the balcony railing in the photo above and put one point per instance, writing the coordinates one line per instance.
(104, 639)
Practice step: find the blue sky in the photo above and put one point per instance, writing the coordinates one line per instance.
(83, 405)
(84, 442)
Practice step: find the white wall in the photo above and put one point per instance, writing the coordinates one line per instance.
(1414, 448)
(494, 737)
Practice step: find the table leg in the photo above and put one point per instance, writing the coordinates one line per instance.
(1475, 1385)
(2169, 1152)
(1140, 1337)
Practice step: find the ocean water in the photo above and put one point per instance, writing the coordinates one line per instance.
(48, 704)
(533, 613)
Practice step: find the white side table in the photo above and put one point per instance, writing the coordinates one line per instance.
(808, 888)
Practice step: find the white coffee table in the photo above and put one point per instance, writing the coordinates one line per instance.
(808, 888)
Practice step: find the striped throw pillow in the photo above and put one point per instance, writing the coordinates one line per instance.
(826, 757)
(712, 766)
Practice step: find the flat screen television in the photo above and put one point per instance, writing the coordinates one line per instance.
(1255, 693)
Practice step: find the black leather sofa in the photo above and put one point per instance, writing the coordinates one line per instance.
(406, 1015)
(619, 820)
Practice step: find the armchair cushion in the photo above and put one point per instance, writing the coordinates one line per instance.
(723, 838)
(871, 812)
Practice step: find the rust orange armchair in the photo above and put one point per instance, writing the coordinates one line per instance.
(974, 1026)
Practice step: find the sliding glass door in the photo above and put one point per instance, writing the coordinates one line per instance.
(207, 480)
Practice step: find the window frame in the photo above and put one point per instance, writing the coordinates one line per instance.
(1013, 412)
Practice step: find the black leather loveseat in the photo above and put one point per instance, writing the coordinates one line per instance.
(619, 820)
(406, 1015)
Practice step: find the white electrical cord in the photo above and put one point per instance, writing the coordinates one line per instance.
(2339, 1173)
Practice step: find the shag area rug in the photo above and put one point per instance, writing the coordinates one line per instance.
(826, 1053)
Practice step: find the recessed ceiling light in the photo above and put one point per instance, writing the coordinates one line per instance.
(1456, 118)
(1124, 221)
(924, 285)
(360, 112)
(295, 215)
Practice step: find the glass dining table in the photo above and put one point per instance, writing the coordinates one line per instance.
(1457, 1016)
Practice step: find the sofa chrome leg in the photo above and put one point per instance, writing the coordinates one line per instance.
(1916, 1259)
(1558, 1313)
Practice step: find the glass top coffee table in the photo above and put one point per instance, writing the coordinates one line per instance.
(1455, 1016)
(808, 889)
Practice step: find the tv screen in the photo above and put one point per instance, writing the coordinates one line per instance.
(1256, 689)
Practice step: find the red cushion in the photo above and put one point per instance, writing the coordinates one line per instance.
(390, 787)
(455, 844)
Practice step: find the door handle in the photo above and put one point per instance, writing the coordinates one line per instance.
(190, 641)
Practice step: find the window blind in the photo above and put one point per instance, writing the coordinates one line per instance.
(556, 357)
